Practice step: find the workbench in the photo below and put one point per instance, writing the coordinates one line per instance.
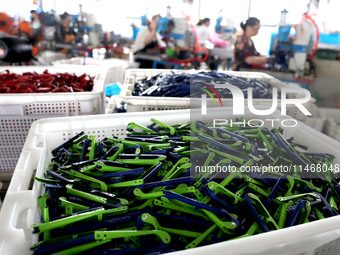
(224, 54)
(85, 49)
(162, 59)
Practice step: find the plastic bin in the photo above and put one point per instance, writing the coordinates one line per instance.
(133, 75)
(20, 208)
(19, 111)
(140, 103)
(116, 66)
(29, 104)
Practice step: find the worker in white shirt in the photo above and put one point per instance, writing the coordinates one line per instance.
(203, 36)
(202, 31)
(148, 41)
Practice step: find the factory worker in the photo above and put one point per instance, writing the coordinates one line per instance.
(245, 53)
(148, 41)
(202, 30)
(64, 33)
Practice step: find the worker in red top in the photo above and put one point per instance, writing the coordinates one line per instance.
(245, 53)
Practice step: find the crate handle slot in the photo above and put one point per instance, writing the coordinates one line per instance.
(25, 170)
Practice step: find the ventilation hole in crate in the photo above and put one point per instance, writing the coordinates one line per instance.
(10, 152)
(8, 165)
(30, 186)
(16, 125)
(57, 107)
(21, 222)
(13, 139)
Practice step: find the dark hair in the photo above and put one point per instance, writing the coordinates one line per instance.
(251, 21)
(155, 16)
(203, 21)
(64, 15)
(33, 11)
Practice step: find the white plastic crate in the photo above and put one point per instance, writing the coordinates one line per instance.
(141, 103)
(20, 207)
(13, 133)
(133, 75)
(0, 197)
(332, 123)
(116, 66)
(77, 103)
(18, 111)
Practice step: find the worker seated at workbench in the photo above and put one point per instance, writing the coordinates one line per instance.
(148, 41)
(223, 35)
(64, 33)
(203, 36)
(222, 39)
(245, 53)
(202, 30)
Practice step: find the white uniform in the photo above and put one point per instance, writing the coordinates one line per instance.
(203, 34)
(140, 40)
